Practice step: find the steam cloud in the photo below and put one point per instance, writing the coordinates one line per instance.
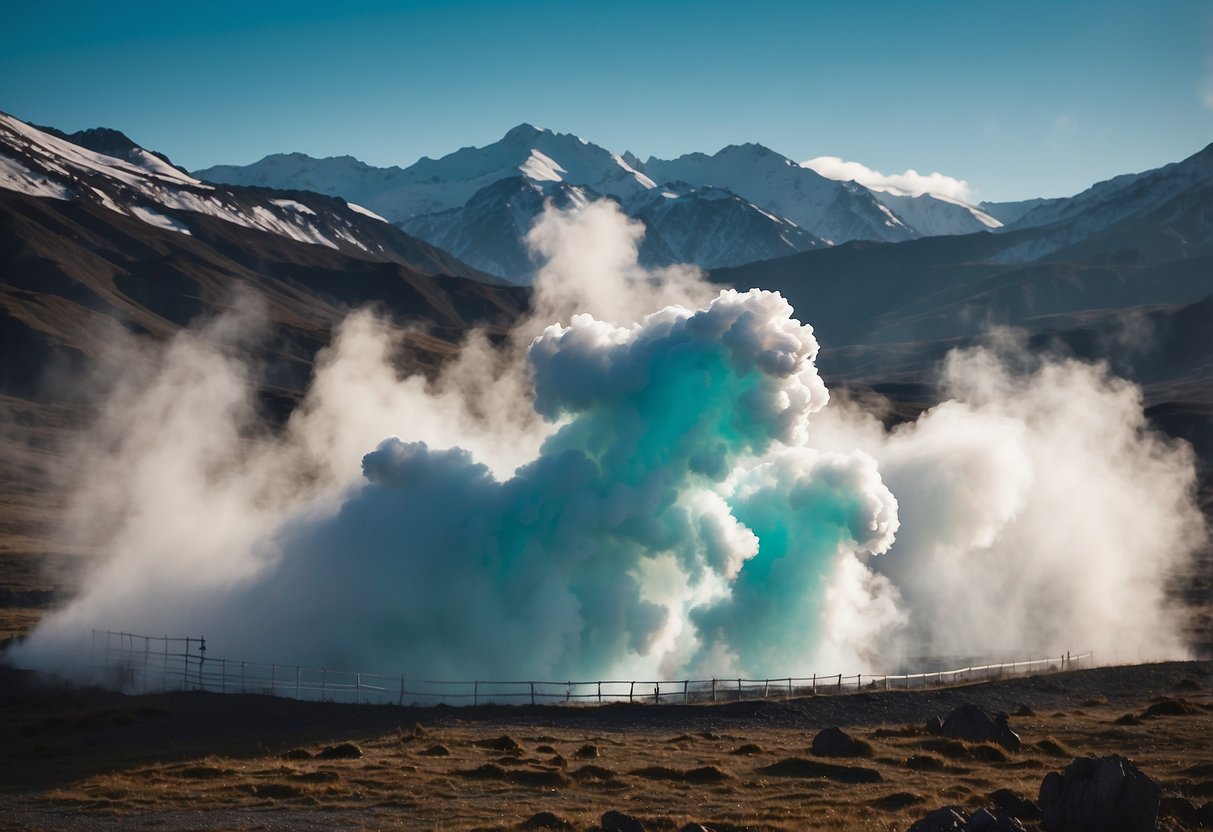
(647, 479)
(909, 183)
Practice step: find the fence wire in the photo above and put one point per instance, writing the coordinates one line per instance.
(145, 664)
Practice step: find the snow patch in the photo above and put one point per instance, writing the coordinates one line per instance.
(160, 220)
(15, 176)
(293, 206)
(541, 168)
(366, 212)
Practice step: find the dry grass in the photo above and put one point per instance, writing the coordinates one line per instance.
(729, 774)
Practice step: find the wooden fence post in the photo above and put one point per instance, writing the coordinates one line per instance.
(401, 700)
(532, 693)
(686, 695)
(631, 690)
(475, 693)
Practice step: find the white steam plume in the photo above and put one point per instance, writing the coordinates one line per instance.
(656, 484)
(909, 183)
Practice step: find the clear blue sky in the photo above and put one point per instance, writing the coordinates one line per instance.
(1021, 99)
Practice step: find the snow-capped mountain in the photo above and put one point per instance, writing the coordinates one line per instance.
(712, 227)
(489, 230)
(434, 185)
(1174, 201)
(146, 186)
(935, 215)
(458, 202)
(1008, 212)
(834, 211)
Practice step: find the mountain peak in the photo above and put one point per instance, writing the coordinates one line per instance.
(523, 132)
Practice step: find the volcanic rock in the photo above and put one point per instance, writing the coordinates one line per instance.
(1109, 794)
(975, 724)
(834, 742)
(619, 822)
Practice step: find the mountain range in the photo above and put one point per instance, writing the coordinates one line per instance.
(744, 203)
(98, 234)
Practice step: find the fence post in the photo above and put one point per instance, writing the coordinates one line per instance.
(789, 687)
(568, 691)
(686, 695)
(357, 687)
(657, 693)
(631, 690)
(532, 693)
(185, 669)
(814, 684)
(401, 700)
(475, 693)
(738, 689)
(599, 691)
(713, 689)
(766, 687)
(840, 683)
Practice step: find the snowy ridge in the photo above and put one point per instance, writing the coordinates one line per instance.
(1148, 198)
(434, 185)
(832, 210)
(935, 215)
(37, 163)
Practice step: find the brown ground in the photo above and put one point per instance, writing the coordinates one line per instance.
(82, 759)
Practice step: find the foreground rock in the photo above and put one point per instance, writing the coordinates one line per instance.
(834, 742)
(975, 724)
(1109, 794)
(619, 822)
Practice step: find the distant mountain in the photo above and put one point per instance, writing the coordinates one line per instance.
(834, 211)
(478, 203)
(132, 241)
(147, 187)
(712, 227)
(764, 204)
(434, 185)
(935, 215)
(1169, 209)
(1008, 212)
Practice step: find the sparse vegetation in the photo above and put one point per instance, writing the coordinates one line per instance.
(725, 767)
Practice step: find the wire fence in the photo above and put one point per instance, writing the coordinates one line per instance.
(137, 663)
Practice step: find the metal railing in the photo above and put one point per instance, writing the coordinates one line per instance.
(138, 663)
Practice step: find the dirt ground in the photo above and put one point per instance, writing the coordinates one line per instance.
(75, 758)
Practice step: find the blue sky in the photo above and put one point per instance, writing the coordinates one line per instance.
(1019, 99)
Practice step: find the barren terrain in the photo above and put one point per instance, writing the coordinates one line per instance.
(75, 758)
